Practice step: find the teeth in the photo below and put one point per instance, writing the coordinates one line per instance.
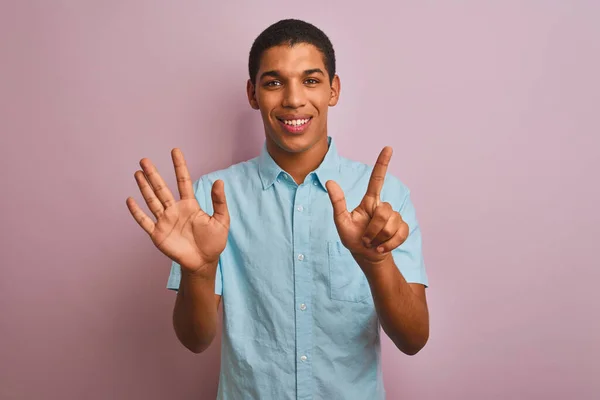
(295, 122)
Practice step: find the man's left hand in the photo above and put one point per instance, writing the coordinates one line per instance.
(373, 229)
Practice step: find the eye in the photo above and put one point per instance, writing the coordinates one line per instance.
(311, 81)
(272, 84)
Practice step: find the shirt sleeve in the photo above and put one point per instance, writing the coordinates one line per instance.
(409, 255)
(201, 192)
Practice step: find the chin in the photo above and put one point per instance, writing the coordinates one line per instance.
(295, 143)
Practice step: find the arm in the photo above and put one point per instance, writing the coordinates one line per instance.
(401, 306)
(190, 237)
(371, 232)
(195, 316)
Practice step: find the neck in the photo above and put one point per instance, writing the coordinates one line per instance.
(299, 165)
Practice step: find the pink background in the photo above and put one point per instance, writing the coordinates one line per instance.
(493, 114)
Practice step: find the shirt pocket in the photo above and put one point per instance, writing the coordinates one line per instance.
(347, 282)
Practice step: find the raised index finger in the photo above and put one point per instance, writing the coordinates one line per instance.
(379, 171)
(184, 182)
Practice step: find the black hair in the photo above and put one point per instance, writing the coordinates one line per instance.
(291, 32)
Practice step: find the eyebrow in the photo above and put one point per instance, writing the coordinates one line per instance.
(276, 74)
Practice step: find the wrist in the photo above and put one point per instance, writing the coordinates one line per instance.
(374, 266)
(205, 271)
(372, 262)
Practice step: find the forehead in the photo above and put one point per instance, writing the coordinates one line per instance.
(292, 60)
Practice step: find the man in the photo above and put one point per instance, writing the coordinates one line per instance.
(305, 283)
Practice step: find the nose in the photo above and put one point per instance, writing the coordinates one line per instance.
(294, 96)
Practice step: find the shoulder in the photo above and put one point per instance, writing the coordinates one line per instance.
(235, 177)
(394, 190)
(233, 174)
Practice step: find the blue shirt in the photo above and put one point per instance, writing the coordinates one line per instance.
(299, 319)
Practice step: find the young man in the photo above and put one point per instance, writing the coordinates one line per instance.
(305, 283)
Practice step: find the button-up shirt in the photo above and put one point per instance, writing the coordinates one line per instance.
(298, 314)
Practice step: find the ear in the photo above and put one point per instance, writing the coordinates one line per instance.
(251, 95)
(336, 87)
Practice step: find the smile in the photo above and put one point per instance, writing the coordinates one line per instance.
(295, 125)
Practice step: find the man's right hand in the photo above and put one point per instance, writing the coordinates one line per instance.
(182, 231)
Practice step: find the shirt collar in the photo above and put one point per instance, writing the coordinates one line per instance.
(327, 170)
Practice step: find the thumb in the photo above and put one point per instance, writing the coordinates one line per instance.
(338, 200)
(221, 212)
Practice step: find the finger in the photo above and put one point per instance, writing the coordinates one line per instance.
(221, 212)
(338, 200)
(150, 198)
(141, 218)
(382, 214)
(391, 227)
(378, 174)
(184, 182)
(157, 183)
(395, 241)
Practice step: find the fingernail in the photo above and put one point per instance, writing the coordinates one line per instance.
(380, 249)
(366, 241)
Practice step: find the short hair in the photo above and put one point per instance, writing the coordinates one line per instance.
(291, 32)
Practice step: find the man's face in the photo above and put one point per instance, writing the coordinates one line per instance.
(293, 93)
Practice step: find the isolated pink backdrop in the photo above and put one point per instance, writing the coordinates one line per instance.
(492, 110)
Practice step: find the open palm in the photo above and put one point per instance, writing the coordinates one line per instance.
(182, 231)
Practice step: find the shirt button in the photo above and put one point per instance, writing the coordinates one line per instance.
(304, 358)
(303, 306)
(315, 183)
(300, 208)
(300, 257)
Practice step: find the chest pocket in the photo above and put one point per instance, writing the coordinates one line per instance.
(347, 282)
